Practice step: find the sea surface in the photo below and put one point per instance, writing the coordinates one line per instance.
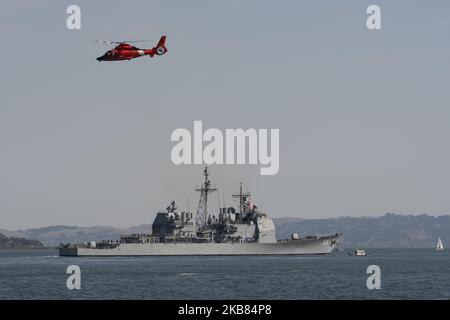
(405, 274)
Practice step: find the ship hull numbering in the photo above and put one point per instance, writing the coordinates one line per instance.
(311, 246)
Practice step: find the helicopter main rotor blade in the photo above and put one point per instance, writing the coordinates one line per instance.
(138, 41)
(119, 42)
(107, 42)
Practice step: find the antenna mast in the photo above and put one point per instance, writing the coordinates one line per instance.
(202, 211)
(242, 198)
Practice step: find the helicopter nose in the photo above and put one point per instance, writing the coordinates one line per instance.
(99, 59)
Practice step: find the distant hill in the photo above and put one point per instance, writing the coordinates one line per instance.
(52, 236)
(390, 230)
(18, 243)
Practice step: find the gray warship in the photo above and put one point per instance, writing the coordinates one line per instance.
(243, 231)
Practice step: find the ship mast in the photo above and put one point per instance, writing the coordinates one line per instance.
(242, 197)
(202, 210)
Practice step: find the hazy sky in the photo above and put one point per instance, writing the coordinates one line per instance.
(364, 116)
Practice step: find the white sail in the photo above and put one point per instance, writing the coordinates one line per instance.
(439, 245)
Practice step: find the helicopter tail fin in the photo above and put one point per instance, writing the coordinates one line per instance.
(162, 42)
(160, 48)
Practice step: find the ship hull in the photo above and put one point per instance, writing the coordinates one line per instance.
(307, 246)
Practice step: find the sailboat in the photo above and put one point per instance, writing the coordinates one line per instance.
(439, 245)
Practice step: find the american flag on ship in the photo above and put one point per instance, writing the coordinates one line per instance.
(250, 204)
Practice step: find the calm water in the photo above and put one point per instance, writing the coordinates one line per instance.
(405, 274)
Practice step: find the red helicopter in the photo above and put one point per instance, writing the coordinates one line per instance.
(125, 51)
